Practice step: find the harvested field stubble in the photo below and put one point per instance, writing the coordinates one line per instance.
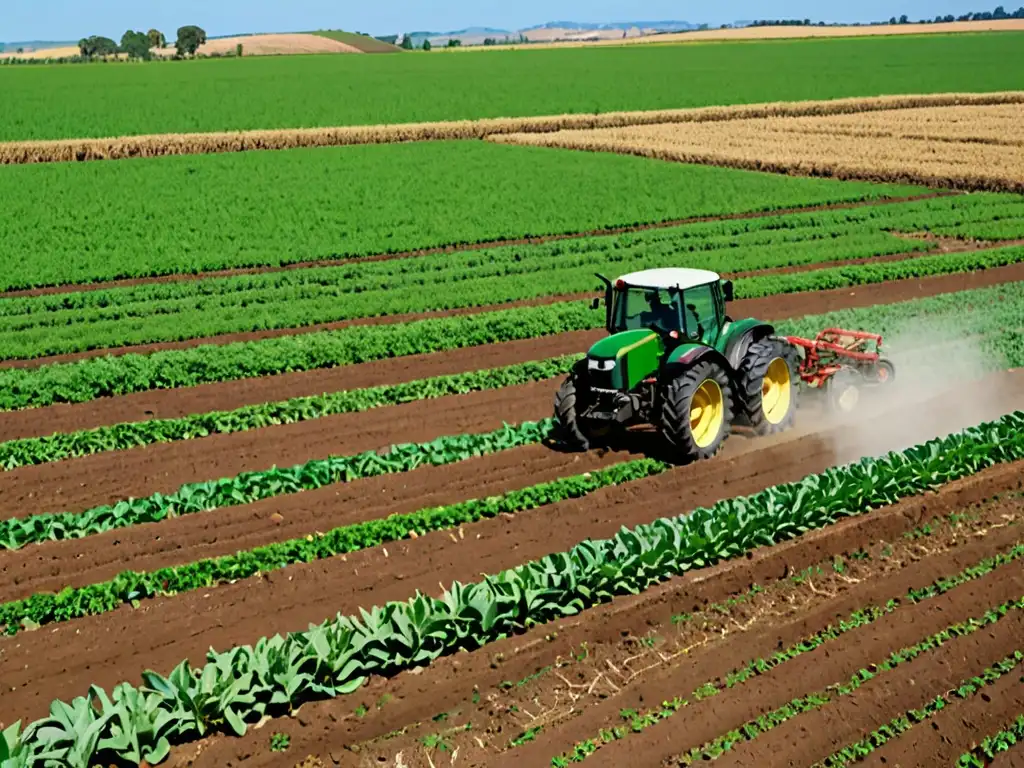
(971, 147)
(115, 148)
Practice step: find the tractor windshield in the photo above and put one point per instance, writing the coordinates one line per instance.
(635, 308)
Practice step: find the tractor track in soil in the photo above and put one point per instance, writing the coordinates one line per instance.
(229, 395)
(145, 348)
(328, 728)
(94, 650)
(497, 243)
(248, 336)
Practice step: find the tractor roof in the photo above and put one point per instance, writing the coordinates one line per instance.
(670, 277)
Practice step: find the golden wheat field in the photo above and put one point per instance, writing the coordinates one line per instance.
(68, 150)
(979, 147)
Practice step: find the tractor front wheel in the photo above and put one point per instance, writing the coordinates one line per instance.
(767, 386)
(696, 411)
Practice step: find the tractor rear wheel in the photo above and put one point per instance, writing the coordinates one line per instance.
(843, 390)
(696, 411)
(567, 423)
(767, 393)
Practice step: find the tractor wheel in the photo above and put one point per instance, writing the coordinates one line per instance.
(767, 393)
(885, 372)
(567, 425)
(843, 390)
(696, 411)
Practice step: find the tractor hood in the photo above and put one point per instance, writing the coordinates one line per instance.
(623, 360)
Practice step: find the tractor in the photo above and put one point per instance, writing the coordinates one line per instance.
(674, 359)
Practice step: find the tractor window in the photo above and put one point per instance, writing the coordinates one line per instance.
(645, 308)
(701, 313)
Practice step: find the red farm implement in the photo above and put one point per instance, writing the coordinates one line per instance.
(841, 363)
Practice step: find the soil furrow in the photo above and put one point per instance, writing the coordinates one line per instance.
(104, 478)
(816, 735)
(831, 663)
(1012, 758)
(289, 600)
(329, 727)
(957, 727)
(469, 246)
(409, 317)
(235, 394)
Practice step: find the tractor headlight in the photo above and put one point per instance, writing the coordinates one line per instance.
(600, 365)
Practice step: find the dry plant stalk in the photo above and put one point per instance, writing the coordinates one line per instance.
(961, 147)
(70, 150)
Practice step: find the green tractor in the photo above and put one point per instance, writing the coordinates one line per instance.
(676, 360)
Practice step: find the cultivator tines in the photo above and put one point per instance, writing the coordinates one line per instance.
(841, 361)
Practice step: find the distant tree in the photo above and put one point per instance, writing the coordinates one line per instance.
(189, 39)
(904, 19)
(1019, 13)
(20, 50)
(136, 45)
(426, 45)
(454, 43)
(407, 42)
(238, 50)
(156, 39)
(97, 46)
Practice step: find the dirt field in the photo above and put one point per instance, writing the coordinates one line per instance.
(961, 147)
(270, 45)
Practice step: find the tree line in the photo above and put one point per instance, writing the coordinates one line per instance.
(139, 45)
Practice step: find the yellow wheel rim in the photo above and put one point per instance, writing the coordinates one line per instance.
(707, 413)
(776, 391)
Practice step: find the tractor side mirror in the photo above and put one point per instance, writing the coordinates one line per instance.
(595, 304)
(727, 290)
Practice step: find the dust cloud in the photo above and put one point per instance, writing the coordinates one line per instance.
(941, 386)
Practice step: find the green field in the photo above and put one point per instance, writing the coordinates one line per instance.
(307, 91)
(74, 322)
(72, 223)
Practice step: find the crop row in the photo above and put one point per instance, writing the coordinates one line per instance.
(990, 748)
(117, 437)
(130, 587)
(315, 91)
(248, 487)
(853, 753)
(275, 675)
(747, 241)
(75, 331)
(175, 215)
(819, 699)
(89, 379)
(641, 720)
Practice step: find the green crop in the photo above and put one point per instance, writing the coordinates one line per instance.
(129, 587)
(277, 674)
(248, 487)
(193, 215)
(1001, 307)
(74, 322)
(986, 752)
(86, 442)
(310, 91)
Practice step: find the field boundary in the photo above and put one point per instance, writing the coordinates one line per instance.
(159, 145)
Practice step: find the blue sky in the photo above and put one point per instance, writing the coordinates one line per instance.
(73, 19)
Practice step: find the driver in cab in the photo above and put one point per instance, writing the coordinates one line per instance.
(665, 316)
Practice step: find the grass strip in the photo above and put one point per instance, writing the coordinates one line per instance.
(639, 721)
(899, 725)
(249, 487)
(986, 752)
(108, 376)
(813, 701)
(86, 442)
(277, 674)
(130, 587)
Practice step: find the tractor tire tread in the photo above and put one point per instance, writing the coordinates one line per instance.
(674, 413)
(750, 376)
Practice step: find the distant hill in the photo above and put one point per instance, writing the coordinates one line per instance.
(552, 31)
(37, 45)
(364, 43)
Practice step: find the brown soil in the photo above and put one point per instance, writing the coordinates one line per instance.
(288, 600)
(235, 394)
(1014, 758)
(958, 727)
(327, 728)
(122, 283)
(608, 676)
(105, 478)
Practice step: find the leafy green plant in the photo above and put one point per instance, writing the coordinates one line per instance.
(279, 742)
(277, 674)
(253, 486)
(991, 746)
